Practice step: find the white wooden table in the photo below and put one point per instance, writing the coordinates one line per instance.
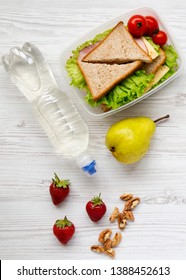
(27, 159)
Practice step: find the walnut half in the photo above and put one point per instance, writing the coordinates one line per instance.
(97, 248)
(132, 203)
(114, 215)
(122, 222)
(116, 239)
(104, 235)
(110, 252)
(126, 196)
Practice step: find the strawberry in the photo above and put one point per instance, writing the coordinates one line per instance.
(59, 189)
(63, 230)
(96, 208)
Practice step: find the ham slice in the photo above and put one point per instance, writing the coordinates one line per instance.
(86, 50)
(140, 43)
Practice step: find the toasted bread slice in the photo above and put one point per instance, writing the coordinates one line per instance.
(155, 64)
(102, 77)
(118, 47)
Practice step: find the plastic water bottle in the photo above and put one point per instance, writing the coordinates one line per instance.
(57, 115)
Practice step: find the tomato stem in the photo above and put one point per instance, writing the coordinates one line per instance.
(139, 24)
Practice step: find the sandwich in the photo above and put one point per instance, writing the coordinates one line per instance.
(118, 47)
(114, 68)
(102, 77)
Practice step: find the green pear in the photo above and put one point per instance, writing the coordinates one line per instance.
(129, 139)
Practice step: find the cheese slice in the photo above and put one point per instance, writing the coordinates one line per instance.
(151, 51)
(157, 77)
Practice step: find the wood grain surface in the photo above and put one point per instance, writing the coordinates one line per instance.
(27, 159)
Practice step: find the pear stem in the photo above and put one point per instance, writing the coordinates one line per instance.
(162, 119)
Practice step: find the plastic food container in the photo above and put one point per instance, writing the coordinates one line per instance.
(79, 94)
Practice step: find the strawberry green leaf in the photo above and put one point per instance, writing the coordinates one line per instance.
(97, 200)
(63, 223)
(60, 183)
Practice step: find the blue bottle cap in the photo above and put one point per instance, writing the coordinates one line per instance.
(90, 168)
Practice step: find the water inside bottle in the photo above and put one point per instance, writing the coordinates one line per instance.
(63, 125)
(57, 115)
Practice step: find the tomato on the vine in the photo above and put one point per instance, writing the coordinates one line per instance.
(152, 26)
(137, 25)
(160, 38)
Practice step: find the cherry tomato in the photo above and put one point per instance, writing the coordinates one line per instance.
(137, 25)
(152, 26)
(160, 38)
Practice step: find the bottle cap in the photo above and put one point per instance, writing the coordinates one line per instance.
(86, 163)
(90, 168)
